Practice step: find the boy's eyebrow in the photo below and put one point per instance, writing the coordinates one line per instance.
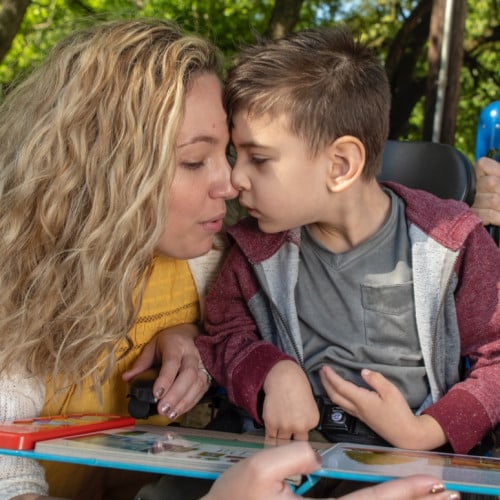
(250, 144)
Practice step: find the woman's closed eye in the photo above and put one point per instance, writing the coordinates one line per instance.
(192, 165)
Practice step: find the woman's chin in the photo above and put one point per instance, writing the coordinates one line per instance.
(188, 251)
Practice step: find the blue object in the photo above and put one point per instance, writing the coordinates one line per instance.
(488, 131)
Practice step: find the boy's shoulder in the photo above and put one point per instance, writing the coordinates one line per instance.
(257, 245)
(447, 221)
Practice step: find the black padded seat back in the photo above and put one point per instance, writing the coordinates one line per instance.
(438, 168)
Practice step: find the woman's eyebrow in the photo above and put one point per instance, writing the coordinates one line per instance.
(198, 138)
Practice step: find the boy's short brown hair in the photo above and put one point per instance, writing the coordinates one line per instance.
(327, 83)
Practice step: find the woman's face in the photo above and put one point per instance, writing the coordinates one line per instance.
(196, 206)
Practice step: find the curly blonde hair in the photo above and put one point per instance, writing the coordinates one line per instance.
(86, 163)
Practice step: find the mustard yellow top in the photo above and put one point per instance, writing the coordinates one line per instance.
(170, 298)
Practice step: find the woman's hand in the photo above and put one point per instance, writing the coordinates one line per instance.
(181, 381)
(419, 487)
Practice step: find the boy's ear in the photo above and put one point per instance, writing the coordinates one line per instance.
(347, 161)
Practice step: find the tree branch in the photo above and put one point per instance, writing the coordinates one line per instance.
(11, 16)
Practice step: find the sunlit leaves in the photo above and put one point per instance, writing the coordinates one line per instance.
(231, 23)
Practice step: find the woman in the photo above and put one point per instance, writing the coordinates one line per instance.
(113, 172)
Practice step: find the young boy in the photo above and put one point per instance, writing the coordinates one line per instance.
(374, 293)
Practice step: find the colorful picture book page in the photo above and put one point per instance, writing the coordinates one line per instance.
(159, 447)
(466, 473)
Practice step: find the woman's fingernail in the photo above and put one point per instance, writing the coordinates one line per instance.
(454, 495)
(437, 488)
(159, 393)
(172, 414)
(165, 408)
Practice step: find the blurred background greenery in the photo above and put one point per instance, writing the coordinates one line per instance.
(407, 35)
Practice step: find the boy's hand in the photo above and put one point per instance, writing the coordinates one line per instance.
(384, 410)
(290, 410)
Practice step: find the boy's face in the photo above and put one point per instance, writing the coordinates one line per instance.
(280, 183)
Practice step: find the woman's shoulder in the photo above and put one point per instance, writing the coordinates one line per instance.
(21, 395)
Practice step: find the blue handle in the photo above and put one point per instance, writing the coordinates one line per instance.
(488, 131)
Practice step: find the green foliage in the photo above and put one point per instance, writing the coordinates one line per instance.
(479, 82)
(226, 22)
(45, 22)
(378, 22)
(231, 23)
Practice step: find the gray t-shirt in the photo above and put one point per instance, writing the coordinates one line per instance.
(356, 309)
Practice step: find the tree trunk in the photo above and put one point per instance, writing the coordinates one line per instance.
(443, 79)
(284, 17)
(452, 95)
(11, 16)
(406, 87)
(434, 60)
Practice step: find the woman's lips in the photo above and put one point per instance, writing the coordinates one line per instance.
(213, 225)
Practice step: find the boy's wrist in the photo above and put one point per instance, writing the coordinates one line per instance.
(427, 434)
(432, 433)
(282, 368)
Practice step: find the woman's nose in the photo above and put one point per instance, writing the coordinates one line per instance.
(223, 187)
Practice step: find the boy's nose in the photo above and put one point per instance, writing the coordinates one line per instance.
(238, 179)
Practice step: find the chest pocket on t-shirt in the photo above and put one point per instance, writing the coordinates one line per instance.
(389, 316)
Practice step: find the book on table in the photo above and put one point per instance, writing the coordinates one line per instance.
(24, 433)
(466, 473)
(206, 454)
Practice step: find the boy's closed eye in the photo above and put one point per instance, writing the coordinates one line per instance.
(258, 160)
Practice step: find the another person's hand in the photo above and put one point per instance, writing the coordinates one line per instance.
(418, 487)
(487, 201)
(263, 476)
(182, 380)
(289, 410)
(384, 409)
